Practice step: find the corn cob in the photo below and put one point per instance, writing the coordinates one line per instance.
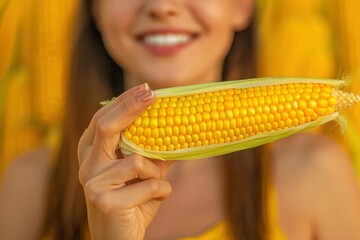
(218, 118)
(48, 54)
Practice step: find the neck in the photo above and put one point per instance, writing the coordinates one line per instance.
(188, 169)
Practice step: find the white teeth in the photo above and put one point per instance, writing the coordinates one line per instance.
(166, 39)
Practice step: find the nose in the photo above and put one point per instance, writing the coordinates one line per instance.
(161, 9)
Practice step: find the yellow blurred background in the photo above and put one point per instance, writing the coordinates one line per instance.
(309, 38)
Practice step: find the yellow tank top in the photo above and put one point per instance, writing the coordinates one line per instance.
(222, 231)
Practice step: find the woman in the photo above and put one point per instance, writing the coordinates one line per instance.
(121, 46)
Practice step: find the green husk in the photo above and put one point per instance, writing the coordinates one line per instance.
(245, 83)
(127, 147)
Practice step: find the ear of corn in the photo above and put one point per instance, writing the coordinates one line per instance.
(212, 119)
(47, 53)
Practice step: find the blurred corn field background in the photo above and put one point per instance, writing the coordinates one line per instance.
(309, 38)
(315, 38)
(35, 46)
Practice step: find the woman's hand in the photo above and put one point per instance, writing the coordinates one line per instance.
(122, 194)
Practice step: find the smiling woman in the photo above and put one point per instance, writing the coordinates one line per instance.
(155, 41)
(130, 48)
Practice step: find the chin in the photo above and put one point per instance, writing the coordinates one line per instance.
(164, 80)
(168, 82)
(171, 75)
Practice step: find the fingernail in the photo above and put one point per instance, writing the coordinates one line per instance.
(141, 87)
(146, 95)
(146, 86)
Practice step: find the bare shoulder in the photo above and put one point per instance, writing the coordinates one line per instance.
(22, 195)
(310, 154)
(316, 183)
(35, 160)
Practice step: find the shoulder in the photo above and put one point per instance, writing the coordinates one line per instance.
(309, 154)
(37, 160)
(308, 162)
(22, 194)
(304, 163)
(316, 180)
(30, 168)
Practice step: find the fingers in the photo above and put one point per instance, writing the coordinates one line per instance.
(109, 127)
(103, 133)
(105, 109)
(108, 191)
(136, 194)
(130, 196)
(117, 172)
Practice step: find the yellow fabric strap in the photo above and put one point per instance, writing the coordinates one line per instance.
(219, 231)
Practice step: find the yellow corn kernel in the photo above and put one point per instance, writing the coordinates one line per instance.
(247, 127)
(285, 116)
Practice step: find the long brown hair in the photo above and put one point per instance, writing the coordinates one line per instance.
(95, 77)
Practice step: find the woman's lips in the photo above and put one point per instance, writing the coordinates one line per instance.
(166, 43)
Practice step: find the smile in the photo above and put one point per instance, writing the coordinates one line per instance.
(170, 39)
(167, 42)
